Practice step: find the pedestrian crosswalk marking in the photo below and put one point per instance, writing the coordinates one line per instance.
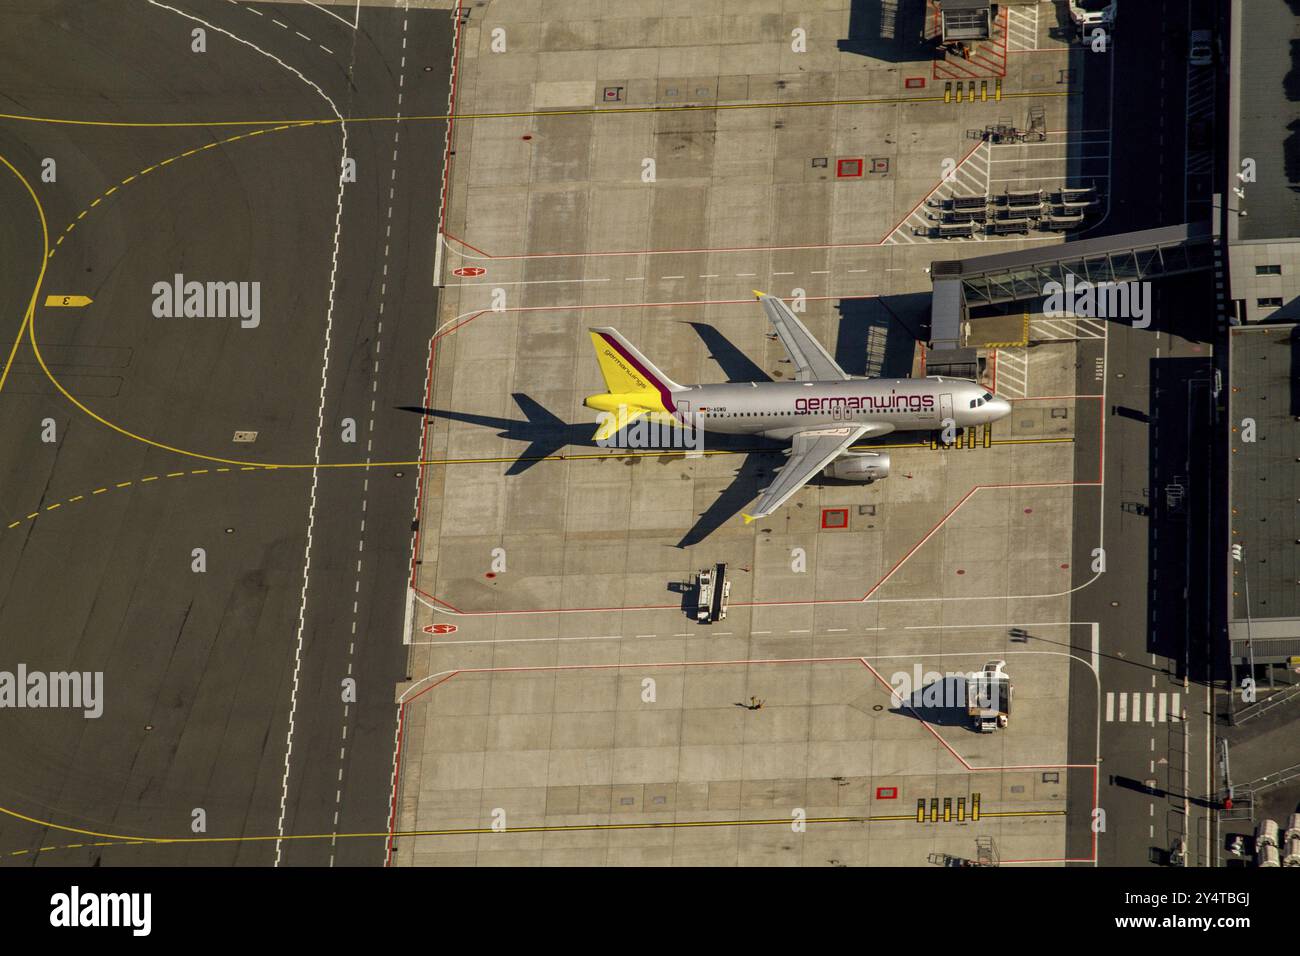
(1136, 707)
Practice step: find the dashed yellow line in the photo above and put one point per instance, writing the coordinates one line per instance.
(48, 252)
(121, 484)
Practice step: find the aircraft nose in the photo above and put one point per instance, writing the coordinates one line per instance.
(1000, 408)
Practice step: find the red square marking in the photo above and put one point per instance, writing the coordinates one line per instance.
(914, 83)
(835, 517)
(848, 168)
(886, 793)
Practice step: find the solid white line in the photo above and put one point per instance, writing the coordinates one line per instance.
(1065, 145)
(353, 25)
(1063, 177)
(529, 640)
(1110, 706)
(409, 616)
(531, 282)
(1048, 159)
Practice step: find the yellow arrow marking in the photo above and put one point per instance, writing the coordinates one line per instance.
(67, 301)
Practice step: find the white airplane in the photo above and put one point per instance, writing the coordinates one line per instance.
(822, 413)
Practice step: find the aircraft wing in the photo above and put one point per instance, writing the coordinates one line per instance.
(814, 363)
(810, 452)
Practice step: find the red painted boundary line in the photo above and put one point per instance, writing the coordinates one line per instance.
(442, 212)
(673, 252)
(962, 760)
(428, 391)
(669, 252)
(397, 767)
(451, 116)
(1101, 408)
(666, 252)
(657, 607)
(401, 723)
(911, 212)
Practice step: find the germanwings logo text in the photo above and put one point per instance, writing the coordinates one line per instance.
(875, 403)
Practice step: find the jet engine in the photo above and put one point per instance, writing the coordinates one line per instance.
(865, 466)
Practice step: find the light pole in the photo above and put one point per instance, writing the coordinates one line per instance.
(1239, 557)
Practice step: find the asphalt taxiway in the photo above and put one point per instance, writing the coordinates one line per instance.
(255, 693)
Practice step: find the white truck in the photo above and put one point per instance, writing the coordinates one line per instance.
(988, 697)
(713, 590)
(1085, 19)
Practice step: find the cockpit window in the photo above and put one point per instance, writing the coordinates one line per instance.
(979, 402)
(972, 403)
(988, 396)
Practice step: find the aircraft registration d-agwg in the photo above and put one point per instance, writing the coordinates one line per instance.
(822, 413)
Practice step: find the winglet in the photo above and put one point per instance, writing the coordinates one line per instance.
(749, 519)
(757, 294)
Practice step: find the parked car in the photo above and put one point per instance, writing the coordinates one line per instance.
(1200, 51)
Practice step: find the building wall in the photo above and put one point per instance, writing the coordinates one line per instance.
(1244, 257)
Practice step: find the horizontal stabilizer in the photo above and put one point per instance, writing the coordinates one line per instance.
(611, 423)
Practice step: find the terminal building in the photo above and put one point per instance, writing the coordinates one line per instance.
(1259, 216)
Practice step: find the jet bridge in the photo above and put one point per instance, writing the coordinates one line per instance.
(960, 285)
